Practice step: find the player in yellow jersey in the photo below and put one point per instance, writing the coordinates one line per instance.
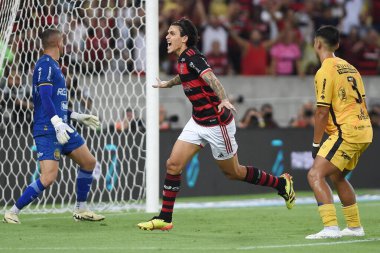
(341, 113)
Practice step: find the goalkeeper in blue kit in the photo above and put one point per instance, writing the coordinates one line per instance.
(53, 135)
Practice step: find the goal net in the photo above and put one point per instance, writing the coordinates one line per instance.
(104, 65)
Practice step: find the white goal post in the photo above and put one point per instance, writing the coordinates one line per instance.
(108, 44)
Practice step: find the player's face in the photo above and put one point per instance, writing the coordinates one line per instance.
(174, 40)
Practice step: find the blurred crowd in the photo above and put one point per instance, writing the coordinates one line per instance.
(239, 37)
(275, 37)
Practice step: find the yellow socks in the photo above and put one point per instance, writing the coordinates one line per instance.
(328, 215)
(351, 214)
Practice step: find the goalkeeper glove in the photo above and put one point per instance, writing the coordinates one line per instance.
(61, 129)
(316, 147)
(86, 119)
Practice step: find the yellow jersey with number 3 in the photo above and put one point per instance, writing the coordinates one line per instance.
(338, 85)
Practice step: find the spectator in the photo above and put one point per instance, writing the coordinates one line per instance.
(351, 19)
(305, 117)
(130, 122)
(267, 114)
(254, 55)
(16, 97)
(251, 119)
(350, 46)
(369, 54)
(218, 60)
(286, 55)
(214, 31)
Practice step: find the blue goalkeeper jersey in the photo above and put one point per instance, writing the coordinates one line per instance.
(48, 72)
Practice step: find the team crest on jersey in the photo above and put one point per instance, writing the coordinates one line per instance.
(342, 94)
(57, 154)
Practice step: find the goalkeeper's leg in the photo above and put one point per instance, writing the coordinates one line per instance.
(87, 163)
(49, 171)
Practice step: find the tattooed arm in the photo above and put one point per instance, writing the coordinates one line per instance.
(210, 78)
(168, 84)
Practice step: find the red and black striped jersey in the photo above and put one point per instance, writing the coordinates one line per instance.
(191, 66)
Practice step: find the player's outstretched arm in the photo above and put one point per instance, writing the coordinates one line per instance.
(86, 119)
(167, 84)
(210, 78)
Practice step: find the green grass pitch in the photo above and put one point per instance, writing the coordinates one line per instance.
(258, 229)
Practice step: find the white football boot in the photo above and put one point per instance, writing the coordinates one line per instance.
(326, 233)
(359, 231)
(11, 217)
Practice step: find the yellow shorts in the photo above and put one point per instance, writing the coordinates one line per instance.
(342, 154)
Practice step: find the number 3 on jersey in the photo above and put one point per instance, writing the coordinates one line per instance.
(352, 80)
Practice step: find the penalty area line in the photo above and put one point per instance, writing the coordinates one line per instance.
(309, 244)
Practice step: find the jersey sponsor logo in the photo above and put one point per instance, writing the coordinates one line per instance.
(191, 65)
(62, 92)
(342, 94)
(39, 73)
(323, 89)
(64, 106)
(49, 74)
(345, 68)
(362, 115)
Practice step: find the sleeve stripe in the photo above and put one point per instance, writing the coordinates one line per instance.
(205, 71)
(323, 104)
(44, 84)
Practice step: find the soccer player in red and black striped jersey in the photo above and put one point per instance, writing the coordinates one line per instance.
(212, 122)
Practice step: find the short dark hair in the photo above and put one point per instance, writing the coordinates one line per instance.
(187, 28)
(330, 34)
(47, 35)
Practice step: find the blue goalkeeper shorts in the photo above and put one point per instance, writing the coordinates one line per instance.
(48, 147)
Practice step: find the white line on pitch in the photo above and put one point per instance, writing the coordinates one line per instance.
(308, 244)
(126, 248)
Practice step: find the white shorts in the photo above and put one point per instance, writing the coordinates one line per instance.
(221, 138)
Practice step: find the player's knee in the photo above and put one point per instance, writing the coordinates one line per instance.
(312, 176)
(172, 167)
(90, 164)
(48, 179)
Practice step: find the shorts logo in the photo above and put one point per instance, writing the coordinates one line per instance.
(57, 154)
(39, 154)
(220, 155)
(345, 156)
